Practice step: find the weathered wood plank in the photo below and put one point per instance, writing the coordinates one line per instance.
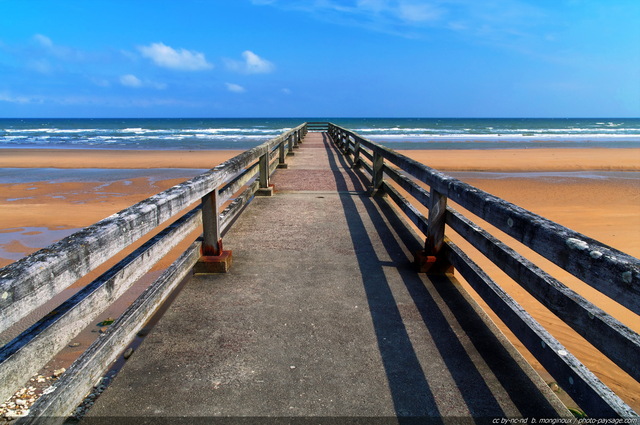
(233, 210)
(78, 380)
(595, 398)
(614, 339)
(30, 351)
(419, 193)
(264, 171)
(366, 154)
(406, 207)
(211, 234)
(228, 191)
(378, 172)
(435, 230)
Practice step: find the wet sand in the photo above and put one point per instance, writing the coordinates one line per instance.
(606, 208)
(506, 160)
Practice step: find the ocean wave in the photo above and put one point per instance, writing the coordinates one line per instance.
(56, 130)
(275, 131)
(491, 136)
(246, 133)
(469, 131)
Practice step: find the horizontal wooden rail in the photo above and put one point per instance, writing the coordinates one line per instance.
(317, 126)
(67, 393)
(608, 270)
(614, 273)
(606, 333)
(31, 350)
(32, 281)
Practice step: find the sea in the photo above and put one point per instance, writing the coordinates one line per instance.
(244, 133)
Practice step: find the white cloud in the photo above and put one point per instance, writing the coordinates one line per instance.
(252, 64)
(235, 88)
(101, 101)
(43, 40)
(51, 49)
(418, 12)
(286, 91)
(168, 57)
(415, 18)
(130, 80)
(23, 100)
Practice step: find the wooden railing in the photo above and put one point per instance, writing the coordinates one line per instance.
(316, 126)
(32, 281)
(610, 271)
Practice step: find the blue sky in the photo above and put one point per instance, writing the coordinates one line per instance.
(323, 58)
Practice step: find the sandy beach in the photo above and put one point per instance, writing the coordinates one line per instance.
(605, 206)
(505, 160)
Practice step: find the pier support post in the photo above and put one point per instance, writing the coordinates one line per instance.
(214, 259)
(264, 189)
(377, 175)
(430, 260)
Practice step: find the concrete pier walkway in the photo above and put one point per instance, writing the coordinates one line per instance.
(322, 315)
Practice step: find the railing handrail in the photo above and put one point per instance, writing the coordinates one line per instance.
(591, 261)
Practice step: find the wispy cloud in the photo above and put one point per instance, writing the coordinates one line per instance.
(414, 18)
(19, 99)
(48, 47)
(130, 80)
(103, 101)
(181, 59)
(252, 64)
(235, 88)
(398, 17)
(43, 40)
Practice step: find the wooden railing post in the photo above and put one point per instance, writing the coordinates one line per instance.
(213, 259)
(296, 139)
(264, 189)
(377, 175)
(212, 237)
(430, 260)
(281, 155)
(436, 224)
(263, 168)
(356, 154)
(347, 145)
(290, 145)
